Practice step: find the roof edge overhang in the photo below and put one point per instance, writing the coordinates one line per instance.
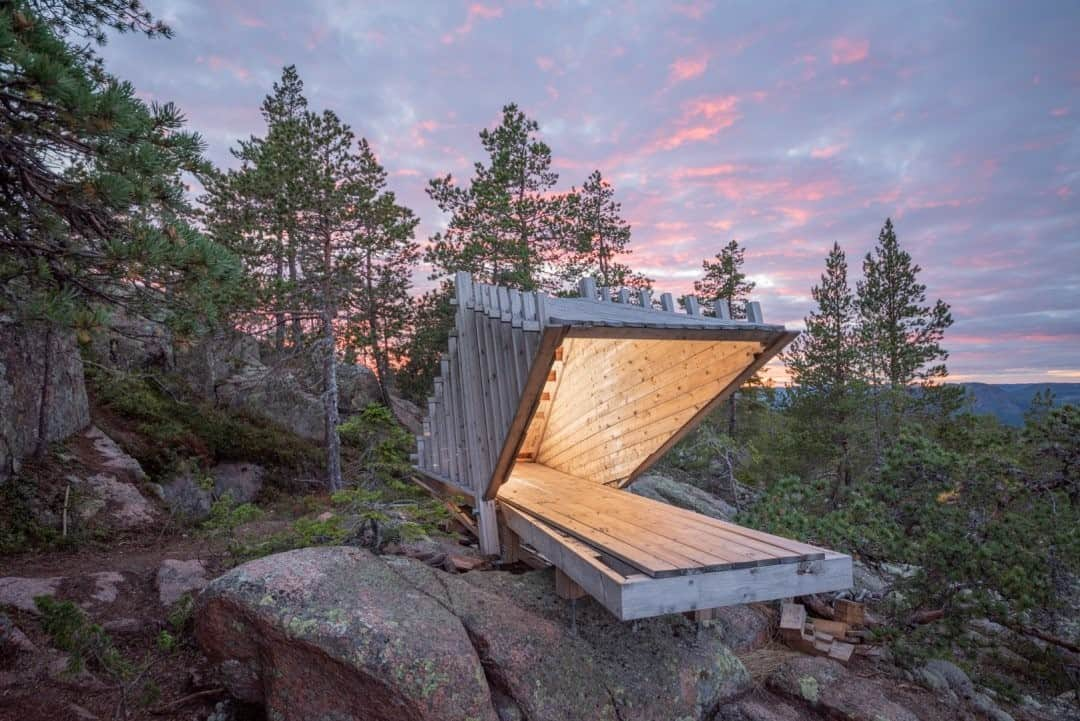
(773, 338)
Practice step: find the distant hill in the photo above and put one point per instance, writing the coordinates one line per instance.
(1009, 401)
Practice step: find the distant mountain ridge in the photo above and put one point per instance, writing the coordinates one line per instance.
(1009, 401)
(1006, 401)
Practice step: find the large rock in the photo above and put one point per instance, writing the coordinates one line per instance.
(34, 358)
(665, 667)
(327, 631)
(336, 633)
(665, 489)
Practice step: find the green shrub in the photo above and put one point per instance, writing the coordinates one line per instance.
(377, 447)
(87, 643)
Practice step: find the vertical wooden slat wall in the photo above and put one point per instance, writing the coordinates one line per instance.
(478, 390)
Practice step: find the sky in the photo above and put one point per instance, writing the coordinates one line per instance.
(786, 126)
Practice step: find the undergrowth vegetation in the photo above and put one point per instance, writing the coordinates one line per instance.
(985, 517)
(173, 430)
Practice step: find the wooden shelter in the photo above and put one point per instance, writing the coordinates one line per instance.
(546, 407)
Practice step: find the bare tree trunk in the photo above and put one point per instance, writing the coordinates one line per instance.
(279, 317)
(330, 405)
(731, 415)
(297, 330)
(46, 395)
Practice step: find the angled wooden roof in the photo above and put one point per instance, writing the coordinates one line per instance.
(600, 385)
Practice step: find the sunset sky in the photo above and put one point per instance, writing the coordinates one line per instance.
(784, 125)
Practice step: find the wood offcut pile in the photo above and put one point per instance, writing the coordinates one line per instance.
(835, 638)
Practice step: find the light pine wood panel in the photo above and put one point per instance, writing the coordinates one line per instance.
(619, 400)
(600, 387)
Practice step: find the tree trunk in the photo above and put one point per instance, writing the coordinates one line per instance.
(297, 330)
(330, 405)
(46, 395)
(382, 363)
(731, 415)
(279, 317)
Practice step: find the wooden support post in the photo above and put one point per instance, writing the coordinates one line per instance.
(511, 544)
(723, 309)
(667, 302)
(701, 614)
(587, 288)
(753, 312)
(692, 306)
(645, 298)
(566, 587)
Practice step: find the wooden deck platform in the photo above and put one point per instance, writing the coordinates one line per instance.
(640, 558)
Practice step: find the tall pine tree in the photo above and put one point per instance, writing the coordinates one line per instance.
(380, 306)
(599, 236)
(824, 366)
(900, 335)
(901, 332)
(506, 226)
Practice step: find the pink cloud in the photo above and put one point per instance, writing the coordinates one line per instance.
(217, 63)
(687, 68)
(1059, 112)
(476, 12)
(545, 63)
(827, 151)
(705, 171)
(701, 119)
(723, 224)
(846, 51)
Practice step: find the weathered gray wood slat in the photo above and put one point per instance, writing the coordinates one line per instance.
(469, 370)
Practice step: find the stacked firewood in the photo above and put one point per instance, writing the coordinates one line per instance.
(835, 637)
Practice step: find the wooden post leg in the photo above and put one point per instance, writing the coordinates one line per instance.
(511, 544)
(489, 528)
(701, 614)
(566, 587)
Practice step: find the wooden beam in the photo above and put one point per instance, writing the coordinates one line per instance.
(761, 335)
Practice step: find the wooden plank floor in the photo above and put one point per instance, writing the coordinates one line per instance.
(657, 539)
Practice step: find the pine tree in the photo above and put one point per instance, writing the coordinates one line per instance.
(599, 237)
(93, 209)
(380, 306)
(824, 365)
(506, 226)
(255, 209)
(900, 334)
(725, 282)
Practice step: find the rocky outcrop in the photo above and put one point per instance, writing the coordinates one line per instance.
(665, 489)
(91, 590)
(42, 393)
(107, 485)
(133, 343)
(329, 632)
(231, 369)
(190, 494)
